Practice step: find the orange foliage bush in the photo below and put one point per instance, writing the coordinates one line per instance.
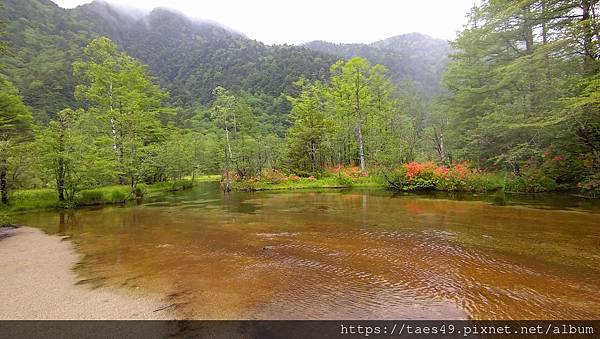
(348, 171)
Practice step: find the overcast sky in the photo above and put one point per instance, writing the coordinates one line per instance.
(277, 22)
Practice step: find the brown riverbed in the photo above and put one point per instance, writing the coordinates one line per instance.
(342, 254)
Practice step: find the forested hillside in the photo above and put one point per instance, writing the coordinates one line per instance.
(414, 58)
(96, 96)
(189, 57)
(193, 57)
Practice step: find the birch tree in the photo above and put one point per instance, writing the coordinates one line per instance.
(352, 96)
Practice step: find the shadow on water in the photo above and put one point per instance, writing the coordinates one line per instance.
(345, 253)
(553, 201)
(206, 194)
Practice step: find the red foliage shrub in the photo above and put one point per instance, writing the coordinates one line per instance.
(414, 169)
(429, 176)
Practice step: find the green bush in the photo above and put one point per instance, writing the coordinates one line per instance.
(472, 182)
(590, 186)
(181, 185)
(423, 182)
(34, 199)
(139, 191)
(343, 180)
(416, 177)
(23, 200)
(533, 181)
(117, 195)
(6, 220)
(103, 195)
(90, 197)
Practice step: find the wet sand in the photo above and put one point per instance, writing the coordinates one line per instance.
(37, 282)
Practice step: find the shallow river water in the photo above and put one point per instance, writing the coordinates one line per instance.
(359, 254)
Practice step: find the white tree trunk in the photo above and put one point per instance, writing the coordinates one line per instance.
(228, 144)
(112, 119)
(359, 136)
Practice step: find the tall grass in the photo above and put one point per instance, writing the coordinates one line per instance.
(24, 200)
(294, 182)
(103, 195)
(47, 198)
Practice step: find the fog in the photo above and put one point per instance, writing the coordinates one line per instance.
(295, 22)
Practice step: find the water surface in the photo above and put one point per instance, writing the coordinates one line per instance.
(344, 254)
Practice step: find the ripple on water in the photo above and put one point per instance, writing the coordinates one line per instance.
(332, 256)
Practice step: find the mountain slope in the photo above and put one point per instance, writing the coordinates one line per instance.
(413, 57)
(189, 57)
(43, 41)
(196, 56)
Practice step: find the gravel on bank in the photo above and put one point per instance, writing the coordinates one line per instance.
(37, 282)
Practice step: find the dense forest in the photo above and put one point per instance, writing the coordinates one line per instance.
(414, 58)
(96, 96)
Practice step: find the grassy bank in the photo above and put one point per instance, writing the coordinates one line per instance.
(408, 177)
(294, 182)
(47, 198)
(411, 177)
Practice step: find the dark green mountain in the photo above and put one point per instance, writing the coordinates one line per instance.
(194, 57)
(43, 41)
(189, 57)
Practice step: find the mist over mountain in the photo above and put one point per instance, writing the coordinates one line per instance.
(413, 57)
(190, 57)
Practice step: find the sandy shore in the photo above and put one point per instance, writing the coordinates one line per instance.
(37, 282)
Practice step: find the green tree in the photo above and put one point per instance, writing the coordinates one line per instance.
(352, 96)
(362, 100)
(119, 90)
(307, 138)
(2, 29)
(62, 129)
(15, 128)
(584, 118)
(74, 155)
(223, 115)
(178, 155)
(392, 135)
(512, 71)
(234, 117)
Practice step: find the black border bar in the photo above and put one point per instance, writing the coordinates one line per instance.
(301, 329)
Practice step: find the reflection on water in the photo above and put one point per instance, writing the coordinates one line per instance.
(350, 254)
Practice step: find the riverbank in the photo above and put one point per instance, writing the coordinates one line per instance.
(38, 282)
(46, 198)
(294, 183)
(418, 177)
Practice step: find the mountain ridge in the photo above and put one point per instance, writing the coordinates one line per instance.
(189, 56)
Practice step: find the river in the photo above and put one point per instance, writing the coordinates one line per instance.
(358, 254)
